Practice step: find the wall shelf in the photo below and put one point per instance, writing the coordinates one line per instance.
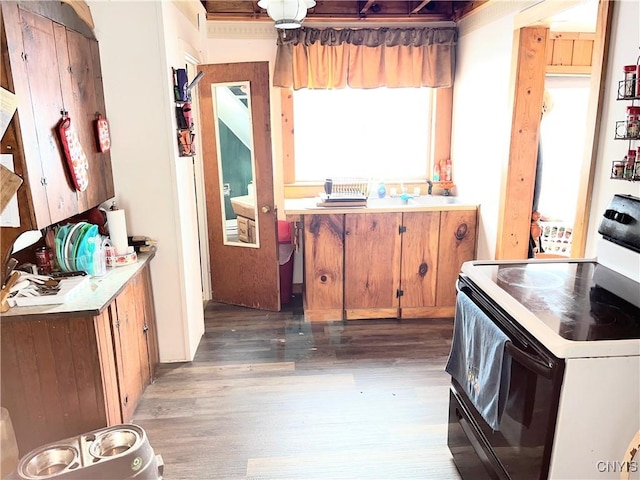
(629, 130)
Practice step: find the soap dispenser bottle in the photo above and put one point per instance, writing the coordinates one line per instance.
(382, 190)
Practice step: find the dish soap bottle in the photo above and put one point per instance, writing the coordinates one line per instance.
(382, 190)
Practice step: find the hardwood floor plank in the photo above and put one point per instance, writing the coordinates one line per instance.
(271, 396)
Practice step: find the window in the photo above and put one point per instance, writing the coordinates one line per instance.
(380, 133)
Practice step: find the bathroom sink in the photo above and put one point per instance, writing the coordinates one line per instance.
(244, 206)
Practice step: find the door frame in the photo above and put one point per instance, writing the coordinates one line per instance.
(514, 223)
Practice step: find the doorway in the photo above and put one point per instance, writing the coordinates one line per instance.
(530, 49)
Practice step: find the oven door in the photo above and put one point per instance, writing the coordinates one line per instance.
(521, 449)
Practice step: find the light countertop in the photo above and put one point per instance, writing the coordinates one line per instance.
(424, 203)
(90, 298)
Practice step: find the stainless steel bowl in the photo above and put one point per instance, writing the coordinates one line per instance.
(114, 442)
(49, 461)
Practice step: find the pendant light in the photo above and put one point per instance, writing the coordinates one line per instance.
(287, 13)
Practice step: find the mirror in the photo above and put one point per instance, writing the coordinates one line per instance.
(236, 163)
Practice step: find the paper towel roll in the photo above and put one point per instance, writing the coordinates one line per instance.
(118, 230)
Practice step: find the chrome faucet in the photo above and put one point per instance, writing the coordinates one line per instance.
(430, 189)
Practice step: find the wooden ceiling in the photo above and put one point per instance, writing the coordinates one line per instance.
(367, 11)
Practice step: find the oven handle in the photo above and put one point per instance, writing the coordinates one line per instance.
(528, 361)
(525, 359)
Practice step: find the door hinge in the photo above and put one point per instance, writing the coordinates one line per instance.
(43, 181)
(117, 323)
(399, 293)
(401, 229)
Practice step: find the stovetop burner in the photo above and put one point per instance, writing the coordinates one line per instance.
(580, 301)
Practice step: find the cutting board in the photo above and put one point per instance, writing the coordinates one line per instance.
(9, 184)
(68, 288)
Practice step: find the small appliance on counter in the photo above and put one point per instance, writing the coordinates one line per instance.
(113, 453)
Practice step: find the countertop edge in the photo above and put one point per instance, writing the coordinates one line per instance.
(314, 210)
(89, 301)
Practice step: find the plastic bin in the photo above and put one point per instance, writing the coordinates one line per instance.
(285, 254)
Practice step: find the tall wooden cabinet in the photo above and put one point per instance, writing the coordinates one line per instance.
(385, 264)
(65, 374)
(51, 61)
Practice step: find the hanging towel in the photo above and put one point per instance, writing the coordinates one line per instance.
(478, 361)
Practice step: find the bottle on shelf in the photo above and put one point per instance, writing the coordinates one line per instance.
(436, 172)
(630, 80)
(447, 170)
(629, 167)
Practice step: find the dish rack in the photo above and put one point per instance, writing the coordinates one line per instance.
(344, 188)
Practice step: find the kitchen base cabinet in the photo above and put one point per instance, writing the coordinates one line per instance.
(452, 243)
(371, 265)
(323, 267)
(419, 266)
(385, 264)
(68, 373)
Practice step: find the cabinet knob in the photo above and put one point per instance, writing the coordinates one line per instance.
(266, 209)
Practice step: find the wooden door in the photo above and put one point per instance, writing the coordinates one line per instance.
(241, 275)
(457, 245)
(372, 265)
(419, 270)
(323, 267)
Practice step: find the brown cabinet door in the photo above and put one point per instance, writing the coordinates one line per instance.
(126, 328)
(41, 57)
(83, 98)
(457, 245)
(419, 270)
(323, 266)
(372, 265)
(108, 371)
(149, 323)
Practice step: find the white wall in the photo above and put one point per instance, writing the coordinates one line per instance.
(625, 42)
(482, 114)
(482, 120)
(139, 41)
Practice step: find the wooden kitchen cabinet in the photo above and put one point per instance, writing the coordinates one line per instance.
(68, 373)
(52, 63)
(385, 265)
(134, 339)
(420, 265)
(323, 266)
(372, 265)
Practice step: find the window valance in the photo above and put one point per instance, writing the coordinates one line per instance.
(365, 58)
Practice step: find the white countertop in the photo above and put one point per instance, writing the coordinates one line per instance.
(91, 297)
(424, 203)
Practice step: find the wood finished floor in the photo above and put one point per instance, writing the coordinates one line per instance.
(270, 396)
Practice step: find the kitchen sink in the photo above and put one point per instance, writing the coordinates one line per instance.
(428, 200)
(420, 201)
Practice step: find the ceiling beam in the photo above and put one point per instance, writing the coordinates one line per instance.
(420, 7)
(367, 6)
